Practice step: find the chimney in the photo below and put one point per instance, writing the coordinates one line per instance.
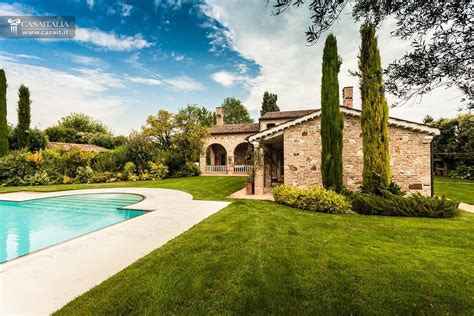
(219, 116)
(347, 97)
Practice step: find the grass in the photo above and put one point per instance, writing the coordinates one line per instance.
(201, 188)
(256, 257)
(456, 189)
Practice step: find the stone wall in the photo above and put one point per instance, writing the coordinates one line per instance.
(409, 150)
(302, 154)
(229, 142)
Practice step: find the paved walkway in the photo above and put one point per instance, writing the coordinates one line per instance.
(45, 280)
(242, 194)
(466, 207)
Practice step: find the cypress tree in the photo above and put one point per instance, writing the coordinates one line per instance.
(24, 117)
(269, 103)
(331, 118)
(3, 114)
(374, 118)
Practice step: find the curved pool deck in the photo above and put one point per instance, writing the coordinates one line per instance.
(43, 281)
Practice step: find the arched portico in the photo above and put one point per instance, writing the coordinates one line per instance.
(240, 158)
(216, 159)
(225, 157)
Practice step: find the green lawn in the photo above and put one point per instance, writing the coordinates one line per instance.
(256, 257)
(202, 188)
(456, 189)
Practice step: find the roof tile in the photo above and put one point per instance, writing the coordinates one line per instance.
(286, 114)
(235, 128)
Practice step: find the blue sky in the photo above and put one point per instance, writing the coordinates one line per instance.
(131, 58)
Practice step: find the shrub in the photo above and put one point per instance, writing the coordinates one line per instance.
(189, 169)
(463, 172)
(102, 140)
(129, 172)
(38, 139)
(112, 160)
(84, 175)
(157, 170)
(395, 189)
(39, 178)
(74, 158)
(140, 150)
(314, 199)
(414, 205)
(15, 168)
(102, 177)
(61, 134)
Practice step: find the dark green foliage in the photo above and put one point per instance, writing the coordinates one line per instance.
(140, 150)
(269, 103)
(38, 139)
(102, 140)
(374, 118)
(82, 129)
(314, 199)
(179, 137)
(62, 134)
(394, 188)
(189, 169)
(332, 123)
(205, 117)
(83, 123)
(455, 144)
(414, 205)
(463, 172)
(235, 112)
(3, 114)
(24, 117)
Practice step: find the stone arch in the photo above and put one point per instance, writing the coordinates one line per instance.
(216, 155)
(240, 153)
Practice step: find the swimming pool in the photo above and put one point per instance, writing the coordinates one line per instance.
(36, 224)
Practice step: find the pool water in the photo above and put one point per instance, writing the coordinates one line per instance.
(36, 224)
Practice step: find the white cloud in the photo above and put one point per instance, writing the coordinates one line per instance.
(228, 79)
(243, 68)
(57, 93)
(95, 37)
(175, 4)
(126, 9)
(184, 83)
(110, 41)
(177, 57)
(103, 78)
(15, 9)
(147, 81)
(85, 60)
(291, 68)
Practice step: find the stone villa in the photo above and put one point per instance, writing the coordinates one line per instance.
(291, 144)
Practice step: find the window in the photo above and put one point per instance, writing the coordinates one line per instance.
(270, 125)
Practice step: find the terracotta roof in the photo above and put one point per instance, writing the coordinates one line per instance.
(286, 114)
(68, 146)
(235, 128)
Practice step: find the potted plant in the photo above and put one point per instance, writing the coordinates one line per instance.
(249, 185)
